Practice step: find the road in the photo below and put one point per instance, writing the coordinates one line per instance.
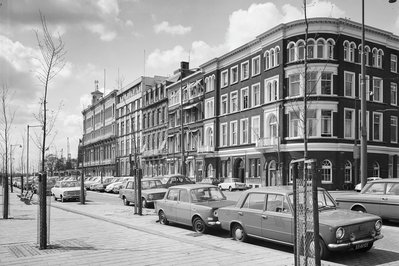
(385, 251)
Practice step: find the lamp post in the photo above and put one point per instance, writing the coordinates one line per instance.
(12, 145)
(363, 107)
(27, 155)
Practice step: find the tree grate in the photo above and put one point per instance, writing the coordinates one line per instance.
(29, 250)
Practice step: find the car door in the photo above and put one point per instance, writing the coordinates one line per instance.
(129, 191)
(390, 202)
(183, 207)
(277, 220)
(170, 204)
(373, 198)
(250, 213)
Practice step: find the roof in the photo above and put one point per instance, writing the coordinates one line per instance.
(193, 186)
(385, 180)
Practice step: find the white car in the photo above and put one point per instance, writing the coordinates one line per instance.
(66, 190)
(358, 187)
(232, 184)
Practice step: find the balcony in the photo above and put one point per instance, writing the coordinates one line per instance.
(266, 142)
(205, 149)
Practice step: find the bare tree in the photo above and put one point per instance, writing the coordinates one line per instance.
(51, 63)
(6, 121)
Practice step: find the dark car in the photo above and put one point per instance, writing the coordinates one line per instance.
(174, 180)
(268, 213)
(152, 190)
(192, 204)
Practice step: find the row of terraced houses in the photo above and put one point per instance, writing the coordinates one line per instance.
(240, 114)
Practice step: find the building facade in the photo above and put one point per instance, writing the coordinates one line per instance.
(98, 144)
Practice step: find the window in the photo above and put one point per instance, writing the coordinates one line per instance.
(320, 49)
(394, 94)
(233, 133)
(277, 61)
(255, 201)
(311, 46)
(267, 60)
(273, 127)
(294, 83)
(377, 90)
(311, 83)
(255, 66)
(254, 167)
(272, 59)
(376, 170)
(294, 124)
(301, 50)
(352, 52)
(256, 94)
(274, 203)
(233, 102)
(346, 50)
(291, 52)
(224, 78)
(394, 63)
(244, 131)
(271, 89)
(326, 83)
(377, 126)
(326, 171)
(348, 172)
(379, 58)
(244, 70)
(367, 86)
(349, 127)
(367, 123)
(209, 108)
(244, 98)
(394, 129)
(223, 132)
(234, 75)
(184, 195)
(255, 129)
(223, 105)
(311, 123)
(173, 195)
(349, 84)
(326, 123)
(330, 49)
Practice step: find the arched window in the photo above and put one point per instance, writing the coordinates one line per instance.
(311, 46)
(326, 171)
(346, 51)
(209, 170)
(273, 129)
(301, 50)
(272, 59)
(348, 172)
(291, 52)
(269, 92)
(277, 55)
(272, 173)
(209, 133)
(376, 169)
(379, 58)
(267, 61)
(374, 57)
(352, 49)
(320, 49)
(367, 55)
(275, 92)
(330, 49)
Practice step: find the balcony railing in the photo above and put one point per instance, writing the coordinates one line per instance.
(266, 142)
(206, 149)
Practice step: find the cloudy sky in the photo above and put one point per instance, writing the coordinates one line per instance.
(126, 39)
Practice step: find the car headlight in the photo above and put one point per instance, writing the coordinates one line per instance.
(215, 213)
(150, 197)
(339, 234)
(378, 225)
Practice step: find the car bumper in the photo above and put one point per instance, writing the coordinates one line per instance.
(213, 223)
(353, 244)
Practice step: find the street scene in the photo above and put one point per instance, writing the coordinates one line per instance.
(190, 133)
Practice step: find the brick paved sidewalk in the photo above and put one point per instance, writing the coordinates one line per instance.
(95, 234)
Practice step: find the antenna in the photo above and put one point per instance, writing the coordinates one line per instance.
(104, 80)
(68, 150)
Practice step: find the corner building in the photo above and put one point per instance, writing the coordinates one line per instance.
(254, 104)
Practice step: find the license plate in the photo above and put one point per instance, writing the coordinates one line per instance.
(363, 245)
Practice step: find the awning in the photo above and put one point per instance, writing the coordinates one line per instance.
(191, 106)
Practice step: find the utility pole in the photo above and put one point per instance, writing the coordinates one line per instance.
(363, 107)
(183, 168)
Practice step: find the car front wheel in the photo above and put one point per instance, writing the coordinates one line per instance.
(238, 233)
(230, 188)
(62, 198)
(324, 252)
(359, 209)
(162, 218)
(144, 203)
(126, 202)
(199, 225)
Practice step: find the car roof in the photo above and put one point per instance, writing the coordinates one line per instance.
(193, 186)
(386, 180)
(278, 189)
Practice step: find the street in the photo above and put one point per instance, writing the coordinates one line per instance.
(385, 251)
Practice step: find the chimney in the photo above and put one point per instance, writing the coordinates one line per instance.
(96, 94)
(184, 65)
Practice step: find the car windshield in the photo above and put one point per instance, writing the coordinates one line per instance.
(151, 184)
(324, 200)
(206, 194)
(70, 184)
(108, 180)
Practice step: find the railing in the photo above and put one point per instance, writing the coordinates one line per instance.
(266, 142)
(206, 149)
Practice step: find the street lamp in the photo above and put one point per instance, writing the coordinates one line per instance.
(363, 107)
(12, 145)
(27, 155)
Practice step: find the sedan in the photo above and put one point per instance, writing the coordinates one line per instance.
(379, 197)
(195, 205)
(232, 184)
(66, 190)
(268, 213)
(358, 187)
(173, 180)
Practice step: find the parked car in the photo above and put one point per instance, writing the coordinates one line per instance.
(268, 213)
(232, 184)
(91, 180)
(195, 205)
(102, 185)
(210, 180)
(379, 197)
(173, 180)
(151, 190)
(66, 190)
(358, 187)
(117, 181)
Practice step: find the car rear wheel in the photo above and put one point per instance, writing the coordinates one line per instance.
(199, 225)
(162, 218)
(55, 198)
(126, 202)
(62, 198)
(359, 209)
(238, 233)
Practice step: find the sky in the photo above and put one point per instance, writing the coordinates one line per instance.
(117, 41)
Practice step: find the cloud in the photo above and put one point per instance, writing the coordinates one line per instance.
(129, 23)
(104, 33)
(169, 29)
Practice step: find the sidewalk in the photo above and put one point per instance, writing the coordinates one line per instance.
(95, 234)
